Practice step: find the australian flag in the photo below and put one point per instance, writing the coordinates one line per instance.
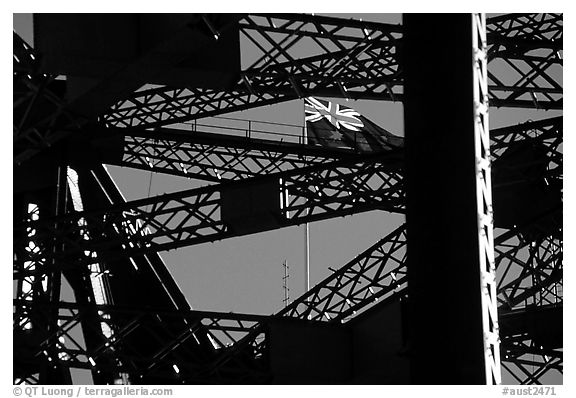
(333, 125)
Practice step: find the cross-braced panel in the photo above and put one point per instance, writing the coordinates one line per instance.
(374, 276)
(546, 133)
(377, 275)
(354, 59)
(527, 362)
(526, 60)
(348, 59)
(216, 157)
(167, 355)
(482, 160)
(195, 216)
(530, 271)
(532, 350)
(297, 56)
(39, 108)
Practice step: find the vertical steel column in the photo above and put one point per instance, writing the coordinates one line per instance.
(54, 372)
(484, 202)
(451, 320)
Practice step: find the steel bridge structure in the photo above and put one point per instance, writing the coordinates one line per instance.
(101, 100)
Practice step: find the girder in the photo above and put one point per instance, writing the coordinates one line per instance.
(39, 108)
(198, 215)
(532, 342)
(167, 331)
(528, 363)
(92, 285)
(219, 157)
(297, 56)
(545, 27)
(216, 157)
(526, 59)
(546, 132)
(315, 193)
(354, 59)
(378, 276)
(530, 272)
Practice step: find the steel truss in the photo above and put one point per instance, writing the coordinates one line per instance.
(532, 348)
(530, 271)
(379, 276)
(39, 108)
(484, 208)
(168, 330)
(195, 216)
(376, 276)
(526, 54)
(216, 157)
(546, 133)
(528, 362)
(94, 327)
(353, 59)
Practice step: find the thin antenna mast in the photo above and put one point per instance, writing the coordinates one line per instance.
(285, 287)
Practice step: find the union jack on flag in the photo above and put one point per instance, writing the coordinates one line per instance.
(333, 125)
(339, 116)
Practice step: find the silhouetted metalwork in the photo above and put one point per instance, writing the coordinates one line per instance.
(352, 58)
(39, 107)
(375, 275)
(525, 53)
(199, 215)
(294, 56)
(532, 342)
(378, 275)
(365, 66)
(169, 358)
(214, 157)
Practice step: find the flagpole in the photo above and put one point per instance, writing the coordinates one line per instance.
(306, 230)
(307, 263)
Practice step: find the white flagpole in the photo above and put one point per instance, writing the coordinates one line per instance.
(307, 263)
(306, 230)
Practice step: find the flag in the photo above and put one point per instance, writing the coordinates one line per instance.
(337, 126)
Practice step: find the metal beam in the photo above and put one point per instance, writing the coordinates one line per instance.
(314, 190)
(524, 68)
(525, 54)
(532, 342)
(220, 157)
(375, 277)
(216, 157)
(378, 276)
(359, 55)
(39, 109)
(209, 213)
(168, 333)
(448, 202)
